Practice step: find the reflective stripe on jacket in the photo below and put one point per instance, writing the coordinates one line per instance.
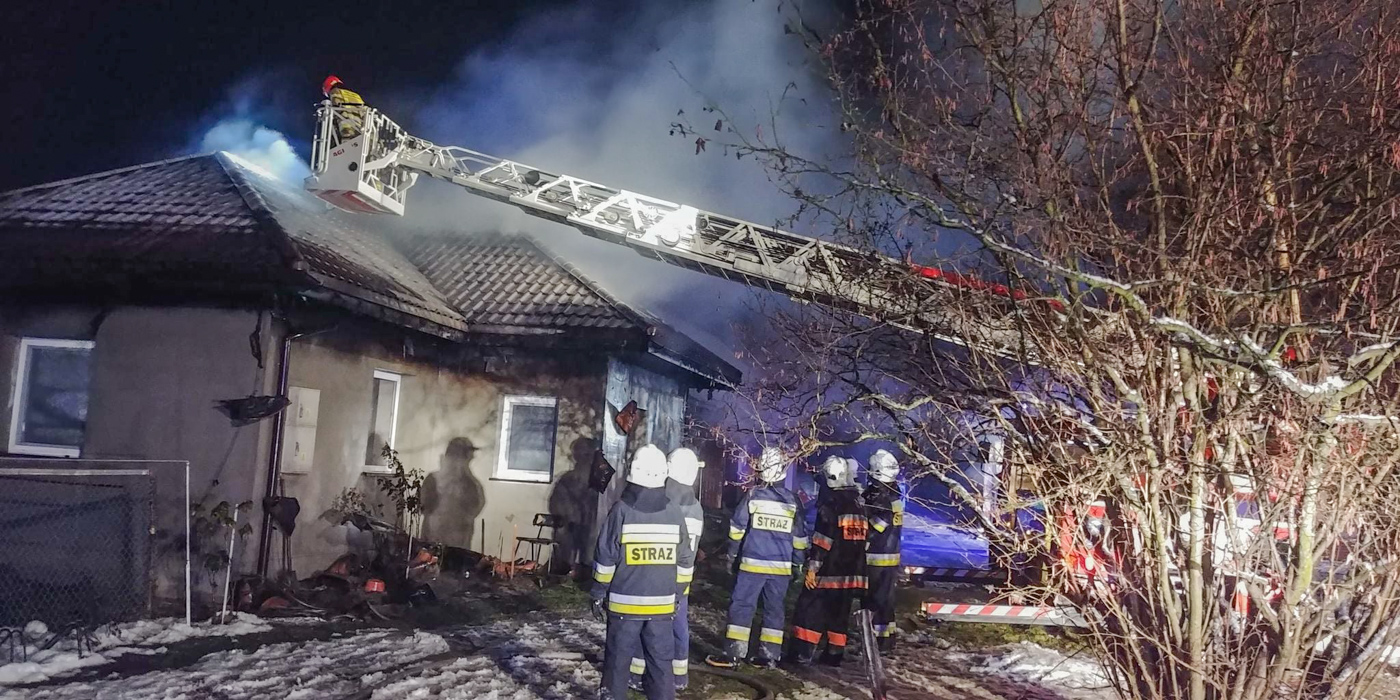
(839, 542)
(643, 558)
(767, 533)
(884, 506)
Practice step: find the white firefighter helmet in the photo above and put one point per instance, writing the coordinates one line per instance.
(884, 467)
(772, 465)
(648, 467)
(839, 474)
(685, 466)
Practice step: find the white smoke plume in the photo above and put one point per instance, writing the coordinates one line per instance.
(239, 125)
(258, 145)
(593, 92)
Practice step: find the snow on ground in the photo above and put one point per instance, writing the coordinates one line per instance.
(810, 691)
(1029, 662)
(314, 669)
(535, 657)
(108, 643)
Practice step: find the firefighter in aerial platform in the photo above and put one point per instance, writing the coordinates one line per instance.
(767, 536)
(349, 107)
(884, 507)
(683, 468)
(835, 568)
(642, 563)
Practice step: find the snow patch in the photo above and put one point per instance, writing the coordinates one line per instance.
(1031, 663)
(110, 642)
(810, 691)
(316, 669)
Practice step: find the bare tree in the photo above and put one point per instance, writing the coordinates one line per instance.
(1176, 226)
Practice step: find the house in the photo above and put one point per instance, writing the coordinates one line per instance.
(133, 301)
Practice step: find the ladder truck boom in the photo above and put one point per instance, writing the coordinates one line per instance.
(370, 167)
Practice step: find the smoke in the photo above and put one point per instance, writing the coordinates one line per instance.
(238, 124)
(593, 92)
(258, 145)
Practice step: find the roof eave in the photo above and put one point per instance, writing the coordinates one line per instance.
(715, 376)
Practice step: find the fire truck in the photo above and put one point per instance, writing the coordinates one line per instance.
(362, 161)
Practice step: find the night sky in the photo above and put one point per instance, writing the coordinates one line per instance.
(91, 86)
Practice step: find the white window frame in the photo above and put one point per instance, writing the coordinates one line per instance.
(17, 398)
(397, 379)
(503, 470)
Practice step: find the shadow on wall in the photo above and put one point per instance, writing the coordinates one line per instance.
(452, 497)
(574, 506)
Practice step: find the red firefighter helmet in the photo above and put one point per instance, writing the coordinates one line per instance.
(330, 83)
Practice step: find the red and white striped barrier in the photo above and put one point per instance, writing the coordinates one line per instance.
(1004, 614)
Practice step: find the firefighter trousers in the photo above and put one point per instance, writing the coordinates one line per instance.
(680, 666)
(654, 639)
(821, 612)
(879, 600)
(748, 589)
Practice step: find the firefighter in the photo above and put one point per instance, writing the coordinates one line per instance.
(642, 563)
(769, 541)
(349, 107)
(835, 568)
(884, 506)
(683, 468)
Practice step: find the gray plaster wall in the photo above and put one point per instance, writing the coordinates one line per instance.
(155, 375)
(449, 426)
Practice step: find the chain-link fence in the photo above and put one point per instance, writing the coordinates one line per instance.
(77, 541)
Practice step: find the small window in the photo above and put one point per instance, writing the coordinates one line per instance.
(383, 418)
(527, 439)
(50, 397)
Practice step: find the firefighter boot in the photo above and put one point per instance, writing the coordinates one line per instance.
(886, 645)
(724, 660)
(762, 661)
(729, 658)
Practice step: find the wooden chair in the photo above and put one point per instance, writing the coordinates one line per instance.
(539, 542)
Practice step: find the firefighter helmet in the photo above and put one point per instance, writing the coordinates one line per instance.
(648, 467)
(884, 467)
(685, 466)
(329, 84)
(839, 474)
(772, 465)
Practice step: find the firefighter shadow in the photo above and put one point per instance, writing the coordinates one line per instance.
(453, 497)
(573, 506)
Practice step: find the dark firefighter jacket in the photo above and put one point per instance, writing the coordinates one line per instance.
(643, 558)
(884, 507)
(838, 545)
(767, 533)
(694, 514)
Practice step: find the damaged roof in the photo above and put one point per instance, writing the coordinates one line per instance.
(214, 224)
(505, 283)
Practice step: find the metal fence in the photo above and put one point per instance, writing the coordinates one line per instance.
(77, 541)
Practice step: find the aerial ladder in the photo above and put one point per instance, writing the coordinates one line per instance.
(364, 162)
(371, 166)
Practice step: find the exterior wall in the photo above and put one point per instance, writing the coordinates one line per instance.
(449, 426)
(663, 397)
(155, 375)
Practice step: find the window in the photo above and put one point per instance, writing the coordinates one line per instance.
(383, 418)
(51, 397)
(527, 439)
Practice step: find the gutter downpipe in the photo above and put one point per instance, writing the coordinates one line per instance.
(274, 459)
